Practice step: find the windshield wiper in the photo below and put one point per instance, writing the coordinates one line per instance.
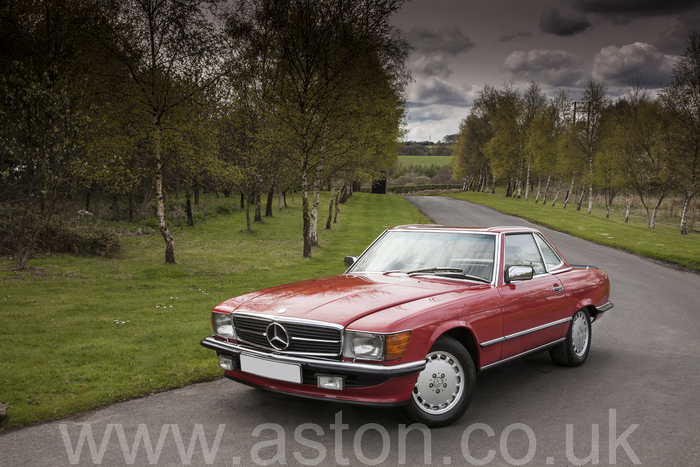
(461, 275)
(432, 271)
(448, 272)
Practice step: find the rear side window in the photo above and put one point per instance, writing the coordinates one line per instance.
(551, 258)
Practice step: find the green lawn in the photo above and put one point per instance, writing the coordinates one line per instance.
(80, 332)
(425, 160)
(664, 242)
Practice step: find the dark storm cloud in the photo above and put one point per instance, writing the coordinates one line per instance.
(634, 8)
(618, 66)
(516, 36)
(673, 40)
(552, 67)
(553, 21)
(437, 91)
(431, 65)
(448, 40)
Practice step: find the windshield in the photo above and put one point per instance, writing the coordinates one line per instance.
(441, 253)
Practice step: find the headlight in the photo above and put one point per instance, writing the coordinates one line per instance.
(371, 346)
(223, 324)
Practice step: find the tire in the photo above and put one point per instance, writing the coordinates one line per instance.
(574, 350)
(449, 366)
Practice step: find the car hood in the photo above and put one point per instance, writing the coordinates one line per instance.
(342, 299)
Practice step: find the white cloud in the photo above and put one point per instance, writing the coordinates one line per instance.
(620, 65)
(431, 65)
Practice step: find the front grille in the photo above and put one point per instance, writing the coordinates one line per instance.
(304, 338)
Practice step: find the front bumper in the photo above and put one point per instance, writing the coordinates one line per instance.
(365, 383)
(319, 365)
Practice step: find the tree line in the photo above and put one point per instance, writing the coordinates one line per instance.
(641, 143)
(141, 99)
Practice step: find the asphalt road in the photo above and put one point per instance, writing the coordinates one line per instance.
(636, 401)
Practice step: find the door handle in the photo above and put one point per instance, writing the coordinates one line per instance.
(558, 288)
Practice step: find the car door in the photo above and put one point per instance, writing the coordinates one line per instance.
(535, 311)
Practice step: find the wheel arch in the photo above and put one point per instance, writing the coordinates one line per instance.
(464, 336)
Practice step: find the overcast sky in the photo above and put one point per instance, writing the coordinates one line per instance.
(460, 45)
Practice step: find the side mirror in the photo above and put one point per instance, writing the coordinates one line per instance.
(350, 260)
(519, 273)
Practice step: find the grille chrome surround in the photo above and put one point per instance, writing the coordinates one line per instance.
(306, 337)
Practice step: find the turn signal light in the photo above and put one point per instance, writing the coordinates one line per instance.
(396, 345)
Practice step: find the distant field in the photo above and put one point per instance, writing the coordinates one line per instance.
(425, 160)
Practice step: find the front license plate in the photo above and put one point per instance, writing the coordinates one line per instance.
(282, 371)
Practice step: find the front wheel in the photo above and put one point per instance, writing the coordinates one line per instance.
(445, 388)
(574, 350)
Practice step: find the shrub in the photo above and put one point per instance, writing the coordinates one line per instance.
(90, 239)
(61, 236)
(225, 209)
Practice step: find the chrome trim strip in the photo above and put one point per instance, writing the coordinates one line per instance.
(306, 339)
(213, 344)
(491, 342)
(604, 308)
(551, 247)
(538, 328)
(522, 333)
(559, 272)
(536, 349)
(286, 319)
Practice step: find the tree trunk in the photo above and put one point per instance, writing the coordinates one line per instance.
(248, 226)
(590, 198)
(556, 195)
(580, 200)
(627, 210)
(258, 213)
(527, 182)
(337, 196)
(196, 192)
(131, 206)
(188, 209)
(330, 207)
(305, 205)
(242, 200)
(546, 188)
(270, 195)
(684, 214)
(279, 197)
(539, 187)
(316, 203)
(568, 194)
(652, 222)
(160, 200)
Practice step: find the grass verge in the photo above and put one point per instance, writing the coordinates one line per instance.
(663, 243)
(80, 332)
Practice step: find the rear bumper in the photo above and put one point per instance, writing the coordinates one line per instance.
(600, 310)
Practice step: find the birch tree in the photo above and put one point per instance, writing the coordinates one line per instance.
(681, 98)
(315, 45)
(162, 44)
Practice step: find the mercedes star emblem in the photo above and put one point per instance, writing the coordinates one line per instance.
(277, 336)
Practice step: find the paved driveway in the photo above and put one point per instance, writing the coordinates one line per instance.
(636, 400)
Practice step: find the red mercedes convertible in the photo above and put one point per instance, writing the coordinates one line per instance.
(413, 319)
